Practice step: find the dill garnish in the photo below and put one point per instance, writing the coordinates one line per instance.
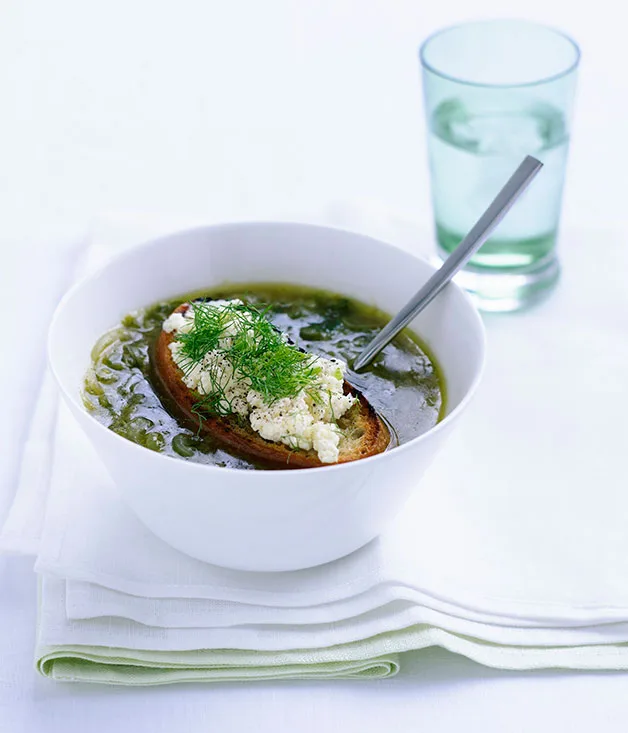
(254, 348)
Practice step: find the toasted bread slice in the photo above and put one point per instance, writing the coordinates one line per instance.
(364, 433)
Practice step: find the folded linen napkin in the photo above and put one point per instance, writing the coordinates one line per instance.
(370, 657)
(117, 567)
(359, 634)
(458, 569)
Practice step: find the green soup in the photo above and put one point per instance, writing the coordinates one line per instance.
(403, 383)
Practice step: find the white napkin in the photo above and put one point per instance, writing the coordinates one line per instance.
(90, 535)
(175, 602)
(24, 522)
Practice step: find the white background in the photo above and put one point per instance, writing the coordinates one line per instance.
(241, 108)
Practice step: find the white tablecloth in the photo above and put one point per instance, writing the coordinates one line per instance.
(245, 108)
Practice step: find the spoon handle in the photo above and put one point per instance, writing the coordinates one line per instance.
(480, 232)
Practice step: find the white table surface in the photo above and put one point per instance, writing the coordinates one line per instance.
(215, 110)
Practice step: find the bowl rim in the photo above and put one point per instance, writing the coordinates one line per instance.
(129, 252)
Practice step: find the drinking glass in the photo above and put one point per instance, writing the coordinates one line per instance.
(496, 91)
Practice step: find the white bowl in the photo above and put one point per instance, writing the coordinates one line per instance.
(265, 520)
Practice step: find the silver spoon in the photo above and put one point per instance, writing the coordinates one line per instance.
(485, 225)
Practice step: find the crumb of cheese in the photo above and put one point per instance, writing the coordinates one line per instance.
(305, 422)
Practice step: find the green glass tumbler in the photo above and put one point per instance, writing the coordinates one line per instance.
(494, 92)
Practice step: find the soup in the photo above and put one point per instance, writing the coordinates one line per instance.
(403, 383)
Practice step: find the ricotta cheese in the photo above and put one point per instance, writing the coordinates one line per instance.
(304, 422)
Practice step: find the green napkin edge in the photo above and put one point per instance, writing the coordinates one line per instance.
(110, 665)
(377, 657)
